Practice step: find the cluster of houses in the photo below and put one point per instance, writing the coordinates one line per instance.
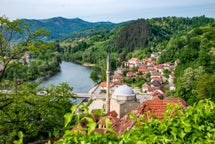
(149, 69)
(125, 99)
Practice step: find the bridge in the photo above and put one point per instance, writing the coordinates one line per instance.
(83, 95)
(88, 95)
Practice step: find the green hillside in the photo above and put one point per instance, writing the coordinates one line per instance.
(189, 40)
(61, 27)
(135, 38)
(194, 50)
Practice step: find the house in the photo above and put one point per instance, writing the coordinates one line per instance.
(117, 77)
(133, 62)
(142, 69)
(160, 68)
(154, 55)
(172, 87)
(145, 87)
(147, 61)
(155, 83)
(26, 58)
(117, 83)
(171, 78)
(155, 74)
(131, 75)
(160, 79)
(103, 85)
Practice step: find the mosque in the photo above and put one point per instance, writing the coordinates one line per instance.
(123, 100)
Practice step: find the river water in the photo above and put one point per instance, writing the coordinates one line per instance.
(77, 76)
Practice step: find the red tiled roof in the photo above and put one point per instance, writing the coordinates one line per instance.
(117, 76)
(151, 89)
(157, 79)
(130, 74)
(117, 83)
(157, 107)
(147, 60)
(103, 84)
(136, 60)
(123, 125)
(112, 113)
(143, 70)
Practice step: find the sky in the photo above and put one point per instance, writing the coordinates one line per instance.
(105, 10)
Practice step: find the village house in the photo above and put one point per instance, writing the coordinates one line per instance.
(103, 85)
(133, 62)
(117, 77)
(154, 55)
(26, 58)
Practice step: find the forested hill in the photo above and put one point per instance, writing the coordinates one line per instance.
(151, 33)
(136, 38)
(60, 27)
(195, 52)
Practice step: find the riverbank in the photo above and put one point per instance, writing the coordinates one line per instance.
(88, 64)
(76, 75)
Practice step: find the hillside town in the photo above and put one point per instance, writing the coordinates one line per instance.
(150, 100)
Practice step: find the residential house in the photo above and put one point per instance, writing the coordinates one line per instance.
(103, 85)
(133, 62)
(117, 77)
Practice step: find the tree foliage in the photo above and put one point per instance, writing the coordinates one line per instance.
(39, 117)
(23, 112)
(194, 125)
(43, 56)
(194, 51)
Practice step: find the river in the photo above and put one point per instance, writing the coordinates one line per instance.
(77, 76)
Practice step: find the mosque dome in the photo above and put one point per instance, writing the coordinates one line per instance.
(124, 90)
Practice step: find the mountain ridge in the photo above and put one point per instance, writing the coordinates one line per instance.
(61, 27)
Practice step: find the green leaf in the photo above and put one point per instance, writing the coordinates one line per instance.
(20, 141)
(91, 124)
(68, 116)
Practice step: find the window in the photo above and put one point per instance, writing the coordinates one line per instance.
(125, 110)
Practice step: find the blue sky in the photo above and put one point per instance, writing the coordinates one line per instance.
(105, 10)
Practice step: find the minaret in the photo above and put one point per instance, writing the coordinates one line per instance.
(108, 84)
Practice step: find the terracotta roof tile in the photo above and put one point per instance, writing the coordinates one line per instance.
(112, 113)
(103, 84)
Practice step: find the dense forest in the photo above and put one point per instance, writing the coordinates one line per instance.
(27, 116)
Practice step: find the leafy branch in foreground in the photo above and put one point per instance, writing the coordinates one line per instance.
(195, 125)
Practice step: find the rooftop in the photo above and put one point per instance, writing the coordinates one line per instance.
(124, 90)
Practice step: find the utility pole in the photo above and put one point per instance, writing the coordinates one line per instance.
(108, 84)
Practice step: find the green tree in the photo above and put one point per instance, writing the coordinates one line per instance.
(187, 84)
(38, 117)
(205, 87)
(10, 53)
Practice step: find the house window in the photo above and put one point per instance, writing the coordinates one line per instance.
(125, 110)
